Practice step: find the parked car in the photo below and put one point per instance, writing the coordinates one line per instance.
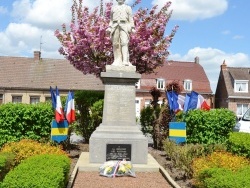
(243, 125)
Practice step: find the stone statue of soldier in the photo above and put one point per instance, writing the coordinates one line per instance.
(120, 26)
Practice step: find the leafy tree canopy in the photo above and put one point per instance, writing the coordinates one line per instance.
(88, 47)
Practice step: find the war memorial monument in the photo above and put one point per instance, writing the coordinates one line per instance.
(118, 137)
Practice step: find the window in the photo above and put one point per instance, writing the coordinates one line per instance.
(137, 84)
(147, 102)
(34, 99)
(47, 99)
(137, 107)
(246, 116)
(241, 109)
(16, 99)
(160, 83)
(1, 98)
(187, 85)
(241, 86)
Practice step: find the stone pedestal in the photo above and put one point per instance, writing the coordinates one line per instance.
(118, 128)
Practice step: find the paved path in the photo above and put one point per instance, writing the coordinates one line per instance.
(85, 169)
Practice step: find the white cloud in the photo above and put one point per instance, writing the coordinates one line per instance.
(211, 60)
(42, 13)
(4, 44)
(20, 38)
(21, 31)
(49, 13)
(20, 8)
(192, 10)
(34, 22)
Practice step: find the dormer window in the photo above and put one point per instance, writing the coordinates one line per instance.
(160, 83)
(187, 85)
(241, 86)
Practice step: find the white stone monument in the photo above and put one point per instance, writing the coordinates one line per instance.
(120, 26)
(118, 137)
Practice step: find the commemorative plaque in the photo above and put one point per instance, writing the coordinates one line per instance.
(118, 152)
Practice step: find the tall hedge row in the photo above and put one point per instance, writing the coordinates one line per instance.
(18, 121)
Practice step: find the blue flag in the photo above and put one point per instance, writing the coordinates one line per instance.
(172, 97)
(187, 98)
(53, 97)
(191, 101)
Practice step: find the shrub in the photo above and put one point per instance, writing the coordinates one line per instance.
(26, 148)
(42, 171)
(222, 177)
(218, 159)
(147, 119)
(84, 101)
(96, 115)
(149, 123)
(170, 148)
(239, 143)
(182, 155)
(164, 119)
(6, 163)
(208, 149)
(208, 127)
(18, 121)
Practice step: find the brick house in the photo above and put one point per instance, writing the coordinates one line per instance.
(190, 75)
(233, 90)
(28, 80)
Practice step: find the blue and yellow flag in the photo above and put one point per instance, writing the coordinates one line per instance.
(59, 131)
(177, 132)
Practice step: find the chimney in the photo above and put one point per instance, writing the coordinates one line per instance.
(197, 60)
(223, 66)
(37, 55)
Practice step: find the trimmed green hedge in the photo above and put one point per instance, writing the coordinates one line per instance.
(208, 127)
(41, 171)
(18, 121)
(239, 143)
(221, 177)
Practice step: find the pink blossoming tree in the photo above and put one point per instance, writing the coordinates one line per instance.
(88, 47)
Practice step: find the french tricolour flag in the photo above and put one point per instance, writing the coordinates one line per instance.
(175, 101)
(57, 105)
(70, 108)
(195, 101)
(59, 110)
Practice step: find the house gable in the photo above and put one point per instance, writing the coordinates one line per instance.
(238, 75)
(233, 90)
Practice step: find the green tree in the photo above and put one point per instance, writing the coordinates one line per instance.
(84, 104)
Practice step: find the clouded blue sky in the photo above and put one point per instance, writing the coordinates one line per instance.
(212, 30)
